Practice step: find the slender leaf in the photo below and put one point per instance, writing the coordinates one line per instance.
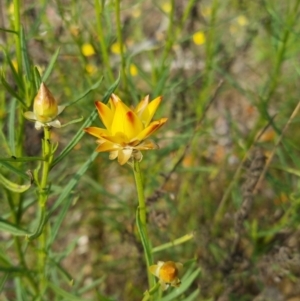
(84, 94)
(8, 30)
(25, 56)
(11, 91)
(144, 239)
(11, 126)
(41, 223)
(3, 281)
(66, 192)
(64, 293)
(15, 74)
(11, 186)
(37, 78)
(80, 132)
(15, 170)
(50, 65)
(12, 229)
(185, 284)
(21, 159)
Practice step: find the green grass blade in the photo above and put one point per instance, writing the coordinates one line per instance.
(64, 293)
(50, 65)
(185, 284)
(66, 192)
(11, 126)
(12, 229)
(25, 56)
(37, 78)
(11, 91)
(93, 87)
(11, 186)
(144, 239)
(89, 120)
(20, 173)
(21, 159)
(8, 30)
(3, 281)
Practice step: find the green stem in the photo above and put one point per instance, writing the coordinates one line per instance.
(43, 195)
(121, 44)
(170, 35)
(17, 25)
(105, 57)
(143, 217)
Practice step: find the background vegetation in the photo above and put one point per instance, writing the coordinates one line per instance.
(227, 170)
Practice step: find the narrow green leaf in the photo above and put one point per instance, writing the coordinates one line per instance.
(3, 281)
(12, 229)
(37, 78)
(66, 192)
(25, 56)
(15, 74)
(193, 296)
(50, 65)
(72, 122)
(84, 94)
(21, 159)
(11, 186)
(11, 91)
(80, 132)
(144, 239)
(41, 223)
(8, 30)
(11, 126)
(15, 170)
(65, 294)
(173, 243)
(186, 282)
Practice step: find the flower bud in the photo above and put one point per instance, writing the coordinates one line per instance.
(45, 106)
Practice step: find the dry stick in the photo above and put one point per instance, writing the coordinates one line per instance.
(256, 174)
(276, 145)
(220, 210)
(197, 127)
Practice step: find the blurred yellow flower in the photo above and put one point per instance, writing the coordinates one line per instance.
(206, 11)
(116, 48)
(91, 69)
(167, 273)
(87, 49)
(242, 20)
(45, 109)
(166, 7)
(199, 38)
(133, 70)
(126, 129)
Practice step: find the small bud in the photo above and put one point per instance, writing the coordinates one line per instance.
(45, 109)
(45, 106)
(167, 273)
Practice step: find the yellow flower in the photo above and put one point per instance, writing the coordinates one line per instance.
(126, 129)
(87, 49)
(45, 109)
(167, 273)
(199, 38)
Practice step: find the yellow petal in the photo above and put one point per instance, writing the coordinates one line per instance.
(153, 127)
(105, 114)
(150, 110)
(124, 155)
(119, 138)
(153, 269)
(142, 105)
(107, 146)
(146, 145)
(97, 132)
(125, 121)
(113, 154)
